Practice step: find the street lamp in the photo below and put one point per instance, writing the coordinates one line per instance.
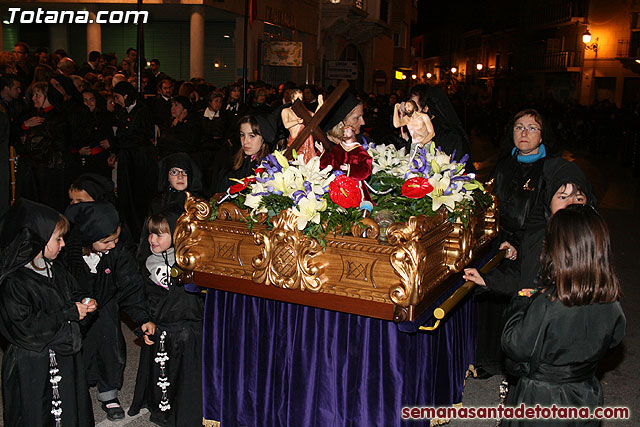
(454, 70)
(479, 67)
(586, 39)
(429, 75)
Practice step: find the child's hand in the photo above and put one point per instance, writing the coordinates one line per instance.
(473, 275)
(148, 328)
(92, 305)
(527, 292)
(82, 310)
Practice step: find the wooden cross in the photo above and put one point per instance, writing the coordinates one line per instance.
(312, 124)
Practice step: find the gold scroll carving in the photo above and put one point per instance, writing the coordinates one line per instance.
(286, 256)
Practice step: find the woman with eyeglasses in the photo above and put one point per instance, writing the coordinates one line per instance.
(518, 184)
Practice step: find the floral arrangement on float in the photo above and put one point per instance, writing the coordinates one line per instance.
(327, 201)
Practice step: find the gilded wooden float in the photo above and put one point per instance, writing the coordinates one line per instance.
(396, 280)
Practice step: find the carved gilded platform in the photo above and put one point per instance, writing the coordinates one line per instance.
(395, 281)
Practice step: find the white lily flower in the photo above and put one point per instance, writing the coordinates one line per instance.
(440, 184)
(308, 209)
(287, 181)
(282, 160)
(252, 201)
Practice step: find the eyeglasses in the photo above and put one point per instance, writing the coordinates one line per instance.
(176, 172)
(530, 129)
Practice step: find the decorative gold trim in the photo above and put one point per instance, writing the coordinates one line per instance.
(459, 244)
(409, 259)
(286, 256)
(186, 235)
(210, 423)
(371, 229)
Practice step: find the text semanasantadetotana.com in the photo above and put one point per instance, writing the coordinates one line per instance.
(41, 16)
(518, 412)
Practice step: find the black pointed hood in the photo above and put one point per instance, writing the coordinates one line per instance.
(24, 231)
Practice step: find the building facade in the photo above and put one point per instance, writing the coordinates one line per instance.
(300, 42)
(543, 54)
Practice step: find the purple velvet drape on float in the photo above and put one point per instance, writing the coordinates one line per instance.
(268, 363)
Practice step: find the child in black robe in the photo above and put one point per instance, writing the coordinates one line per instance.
(177, 173)
(556, 333)
(107, 271)
(43, 377)
(169, 381)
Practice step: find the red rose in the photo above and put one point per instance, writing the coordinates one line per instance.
(236, 188)
(416, 188)
(345, 192)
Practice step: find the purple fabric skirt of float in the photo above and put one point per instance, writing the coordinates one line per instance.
(269, 363)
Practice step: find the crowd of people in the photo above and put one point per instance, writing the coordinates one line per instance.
(83, 135)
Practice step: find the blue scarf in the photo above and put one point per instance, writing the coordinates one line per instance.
(531, 158)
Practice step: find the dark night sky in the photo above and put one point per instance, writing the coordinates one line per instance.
(464, 15)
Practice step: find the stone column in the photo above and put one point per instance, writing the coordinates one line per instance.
(58, 37)
(196, 42)
(94, 34)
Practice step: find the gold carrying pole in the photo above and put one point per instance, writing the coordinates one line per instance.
(444, 308)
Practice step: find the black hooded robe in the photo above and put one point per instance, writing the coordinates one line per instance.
(179, 315)
(116, 285)
(39, 319)
(38, 314)
(554, 350)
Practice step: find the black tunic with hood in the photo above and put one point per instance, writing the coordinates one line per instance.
(178, 316)
(39, 319)
(168, 196)
(114, 283)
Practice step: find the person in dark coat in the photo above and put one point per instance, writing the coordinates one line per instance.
(161, 104)
(557, 332)
(44, 150)
(43, 375)
(518, 185)
(216, 149)
(97, 135)
(137, 158)
(108, 272)
(169, 380)
(184, 132)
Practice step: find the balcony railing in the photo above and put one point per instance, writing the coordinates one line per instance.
(625, 49)
(555, 61)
